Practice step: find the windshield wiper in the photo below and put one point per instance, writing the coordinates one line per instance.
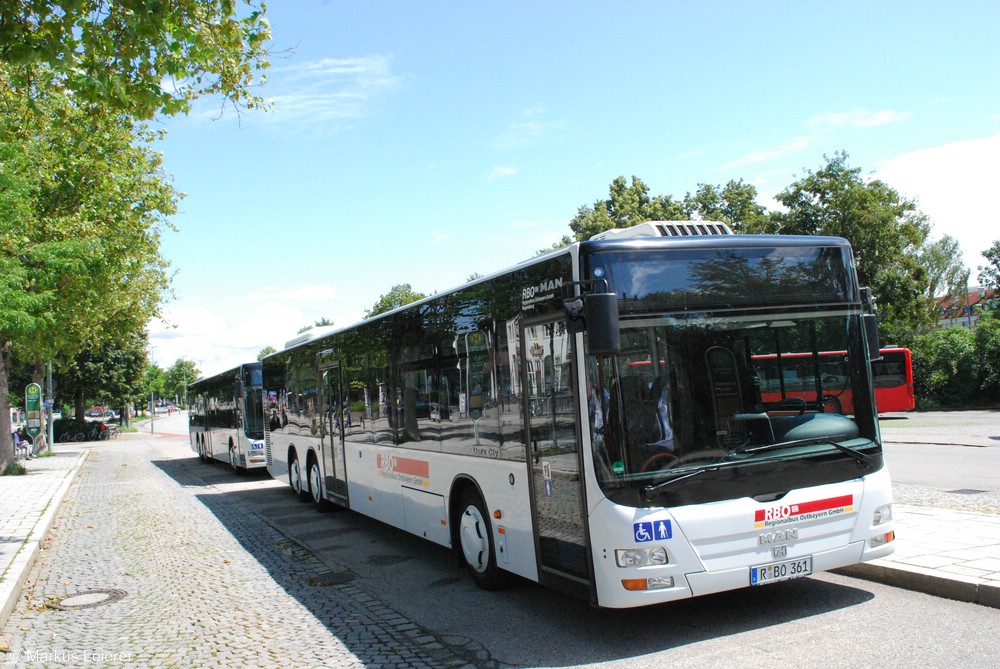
(652, 489)
(863, 458)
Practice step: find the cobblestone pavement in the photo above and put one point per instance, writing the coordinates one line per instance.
(980, 502)
(146, 569)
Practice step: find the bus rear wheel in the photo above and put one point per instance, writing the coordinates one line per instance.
(475, 537)
(299, 487)
(316, 486)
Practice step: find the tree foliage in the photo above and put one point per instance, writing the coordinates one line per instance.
(180, 375)
(108, 374)
(626, 205)
(989, 274)
(988, 357)
(886, 232)
(80, 244)
(944, 367)
(946, 273)
(397, 296)
(139, 57)
(82, 198)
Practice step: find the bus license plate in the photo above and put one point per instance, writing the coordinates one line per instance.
(781, 571)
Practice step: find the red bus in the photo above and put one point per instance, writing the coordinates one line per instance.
(793, 377)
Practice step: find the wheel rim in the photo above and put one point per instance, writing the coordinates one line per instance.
(315, 483)
(475, 543)
(232, 458)
(294, 476)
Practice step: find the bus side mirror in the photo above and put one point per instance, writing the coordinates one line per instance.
(871, 334)
(603, 334)
(595, 313)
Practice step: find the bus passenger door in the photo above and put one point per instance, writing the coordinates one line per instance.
(334, 411)
(552, 434)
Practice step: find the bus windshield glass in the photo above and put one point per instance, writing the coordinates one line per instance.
(726, 278)
(253, 405)
(725, 385)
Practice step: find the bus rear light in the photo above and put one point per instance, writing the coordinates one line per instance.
(881, 540)
(653, 583)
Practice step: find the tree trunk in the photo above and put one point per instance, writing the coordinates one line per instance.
(78, 401)
(6, 445)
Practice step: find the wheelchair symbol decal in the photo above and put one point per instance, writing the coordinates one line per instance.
(650, 531)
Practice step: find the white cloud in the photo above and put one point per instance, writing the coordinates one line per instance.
(858, 118)
(320, 96)
(951, 184)
(499, 172)
(791, 147)
(230, 332)
(527, 130)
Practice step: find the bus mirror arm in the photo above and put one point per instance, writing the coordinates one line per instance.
(594, 312)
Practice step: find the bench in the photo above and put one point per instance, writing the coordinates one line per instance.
(21, 450)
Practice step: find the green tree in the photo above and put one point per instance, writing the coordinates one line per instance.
(989, 274)
(734, 204)
(181, 374)
(266, 351)
(80, 245)
(944, 367)
(946, 273)
(110, 374)
(886, 232)
(626, 206)
(153, 386)
(988, 357)
(321, 323)
(396, 297)
(140, 57)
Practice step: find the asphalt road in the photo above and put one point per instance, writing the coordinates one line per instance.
(823, 621)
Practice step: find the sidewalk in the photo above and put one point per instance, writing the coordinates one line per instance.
(941, 552)
(28, 507)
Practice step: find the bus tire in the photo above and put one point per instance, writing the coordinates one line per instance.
(295, 480)
(315, 482)
(475, 536)
(234, 461)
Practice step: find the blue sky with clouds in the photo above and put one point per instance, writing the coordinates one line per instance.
(423, 142)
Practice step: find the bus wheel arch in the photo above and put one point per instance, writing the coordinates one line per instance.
(233, 459)
(295, 474)
(473, 536)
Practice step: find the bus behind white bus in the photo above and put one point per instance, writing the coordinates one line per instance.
(226, 417)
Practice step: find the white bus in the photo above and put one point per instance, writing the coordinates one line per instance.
(226, 417)
(592, 420)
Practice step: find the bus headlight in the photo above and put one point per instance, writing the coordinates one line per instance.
(641, 557)
(883, 514)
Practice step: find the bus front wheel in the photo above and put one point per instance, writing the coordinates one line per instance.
(476, 539)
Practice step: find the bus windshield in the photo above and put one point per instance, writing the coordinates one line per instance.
(253, 402)
(707, 390)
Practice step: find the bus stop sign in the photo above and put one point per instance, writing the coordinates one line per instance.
(33, 409)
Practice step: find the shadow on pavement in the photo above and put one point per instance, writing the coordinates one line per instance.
(551, 628)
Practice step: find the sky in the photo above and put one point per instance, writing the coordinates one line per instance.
(423, 142)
